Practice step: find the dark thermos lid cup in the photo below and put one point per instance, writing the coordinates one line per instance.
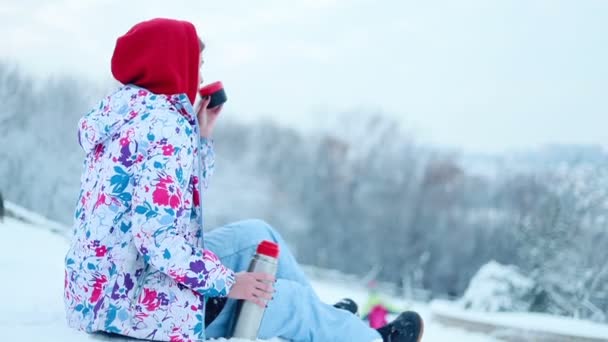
(217, 93)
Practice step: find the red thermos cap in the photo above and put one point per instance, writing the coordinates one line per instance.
(268, 248)
(211, 88)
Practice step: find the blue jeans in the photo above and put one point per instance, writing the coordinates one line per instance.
(296, 313)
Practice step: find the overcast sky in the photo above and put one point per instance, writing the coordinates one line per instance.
(482, 75)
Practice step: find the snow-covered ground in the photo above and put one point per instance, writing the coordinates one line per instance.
(541, 327)
(31, 290)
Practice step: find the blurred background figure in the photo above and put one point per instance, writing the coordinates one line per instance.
(377, 308)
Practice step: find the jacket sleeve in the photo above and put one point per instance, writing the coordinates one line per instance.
(208, 158)
(158, 204)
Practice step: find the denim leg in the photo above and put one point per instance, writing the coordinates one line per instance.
(236, 243)
(295, 313)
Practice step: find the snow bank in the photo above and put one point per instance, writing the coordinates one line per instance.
(37, 220)
(525, 322)
(498, 287)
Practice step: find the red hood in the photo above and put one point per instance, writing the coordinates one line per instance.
(160, 55)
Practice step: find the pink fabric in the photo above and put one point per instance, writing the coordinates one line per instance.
(377, 316)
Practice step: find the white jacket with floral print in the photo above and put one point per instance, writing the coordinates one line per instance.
(137, 265)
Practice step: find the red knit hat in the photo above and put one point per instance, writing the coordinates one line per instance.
(160, 55)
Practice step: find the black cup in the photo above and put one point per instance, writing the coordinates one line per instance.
(217, 93)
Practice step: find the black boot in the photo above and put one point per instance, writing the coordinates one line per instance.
(407, 327)
(348, 305)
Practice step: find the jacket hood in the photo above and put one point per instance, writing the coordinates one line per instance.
(161, 55)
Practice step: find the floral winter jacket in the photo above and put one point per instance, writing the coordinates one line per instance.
(137, 265)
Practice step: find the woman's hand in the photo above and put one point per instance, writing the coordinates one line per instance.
(207, 117)
(254, 287)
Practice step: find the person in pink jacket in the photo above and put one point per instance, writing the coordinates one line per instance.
(139, 263)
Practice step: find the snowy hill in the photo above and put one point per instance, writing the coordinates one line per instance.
(31, 267)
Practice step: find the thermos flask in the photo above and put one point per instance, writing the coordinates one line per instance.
(248, 314)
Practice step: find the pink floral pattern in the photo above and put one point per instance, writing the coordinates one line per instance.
(166, 193)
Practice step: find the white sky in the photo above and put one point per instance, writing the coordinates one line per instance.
(482, 75)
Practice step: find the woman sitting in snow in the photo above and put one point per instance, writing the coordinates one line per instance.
(139, 264)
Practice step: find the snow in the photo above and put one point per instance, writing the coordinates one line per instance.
(34, 218)
(497, 287)
(31, 291)
(527, 321)
(31, 309)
